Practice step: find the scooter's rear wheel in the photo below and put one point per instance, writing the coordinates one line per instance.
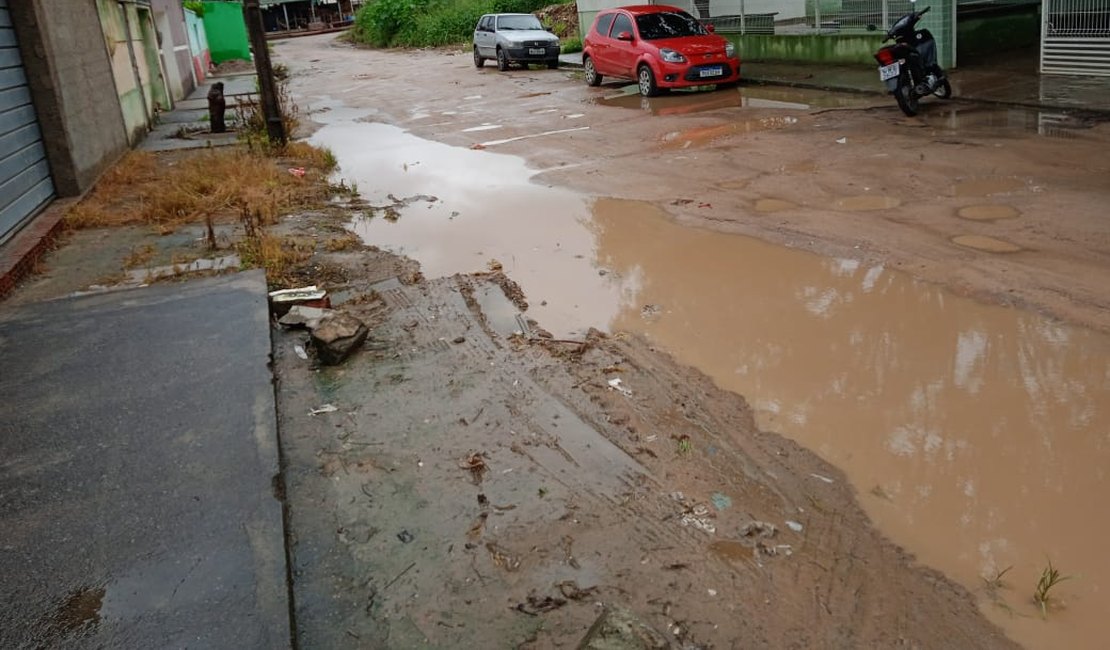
(944, 89)
(906, 98)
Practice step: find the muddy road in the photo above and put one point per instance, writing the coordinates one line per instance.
(921, 302)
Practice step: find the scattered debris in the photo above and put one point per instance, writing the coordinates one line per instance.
(459, 339)
(536, 605)
(568, 554)
(720, 501)
(794, 526)
(842, 140)
(502, 557)
(617, 627)
(711, 592)
(651, 312)
(475, 463)
(822, 478)
(299, 172)
(494, 266)
(758, 529)
(326, 408)
(616, 384)
(303, 317)
(336, 336)
(699, 518)
(570, 589)
(300, 352)
(405, 536)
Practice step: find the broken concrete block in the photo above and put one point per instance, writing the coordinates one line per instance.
(619, 629)
(302, 316)
(337, 336)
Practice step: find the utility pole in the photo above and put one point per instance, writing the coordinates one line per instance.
(267, 87)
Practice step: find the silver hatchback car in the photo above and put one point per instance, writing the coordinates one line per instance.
(514, 38)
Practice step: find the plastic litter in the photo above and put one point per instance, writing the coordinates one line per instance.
(299, 349)
(326, 408)
(794, 526)
(616, 384)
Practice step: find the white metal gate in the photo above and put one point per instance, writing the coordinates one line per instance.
(25, 184)
(1075, 37)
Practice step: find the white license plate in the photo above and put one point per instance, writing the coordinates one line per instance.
(537, 51)
(889, 71)
(711, 72)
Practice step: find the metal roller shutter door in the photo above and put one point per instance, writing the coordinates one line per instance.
(25, 184)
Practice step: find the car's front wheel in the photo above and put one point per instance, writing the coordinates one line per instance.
(592, 77)
(479, 60)
(502, 60)
(646, 80)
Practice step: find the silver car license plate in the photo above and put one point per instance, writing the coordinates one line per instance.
(711, 72)
(889, 71)
(537, 51)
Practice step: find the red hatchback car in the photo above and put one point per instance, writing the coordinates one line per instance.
(659, 47)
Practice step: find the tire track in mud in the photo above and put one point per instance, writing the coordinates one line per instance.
(580, 482)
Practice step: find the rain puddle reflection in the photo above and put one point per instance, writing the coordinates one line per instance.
(975, 434)
(486, 208)
(979, 120)
(681, 102)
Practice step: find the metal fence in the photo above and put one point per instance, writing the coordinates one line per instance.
(797, 16)
(1075, 37)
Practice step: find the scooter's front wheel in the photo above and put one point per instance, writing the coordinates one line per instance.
(906, 98)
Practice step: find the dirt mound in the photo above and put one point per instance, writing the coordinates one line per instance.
(563, 19)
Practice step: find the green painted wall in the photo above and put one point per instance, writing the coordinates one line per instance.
(226, 31)
(808, 47)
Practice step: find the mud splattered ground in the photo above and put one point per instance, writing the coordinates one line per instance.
(967, 201)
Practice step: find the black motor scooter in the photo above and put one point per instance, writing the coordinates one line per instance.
(909, 66)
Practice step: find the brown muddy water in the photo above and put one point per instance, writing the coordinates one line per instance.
(977, 436)
(681, 102)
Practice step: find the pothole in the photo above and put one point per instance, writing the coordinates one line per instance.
(866, 202)
(985, 244)
(988, 212)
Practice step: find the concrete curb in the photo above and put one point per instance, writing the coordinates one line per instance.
(22, 252)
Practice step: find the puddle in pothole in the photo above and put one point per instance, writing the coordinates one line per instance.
(681, 102)
(1013, 121)
(976, 435)
(985, 244)
(987, 187)
(487, 207)
(704, 135)
(773, 205)
(988, 212)
(866, 203)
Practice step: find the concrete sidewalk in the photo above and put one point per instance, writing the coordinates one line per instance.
(186, 126)
(1003, 85)
(138, 467)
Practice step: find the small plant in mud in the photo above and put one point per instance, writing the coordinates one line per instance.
(685, 447)
(996, 582)
(252, 119)
(1050, 577)
(138, 257)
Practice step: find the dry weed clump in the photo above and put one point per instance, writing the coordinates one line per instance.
(211, 186)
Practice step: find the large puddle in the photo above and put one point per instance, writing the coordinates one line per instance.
(976, 436)
(680, 102)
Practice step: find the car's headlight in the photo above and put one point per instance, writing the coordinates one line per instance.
(670, 56)
(730, 50)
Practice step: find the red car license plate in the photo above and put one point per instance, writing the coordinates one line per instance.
(711, 72)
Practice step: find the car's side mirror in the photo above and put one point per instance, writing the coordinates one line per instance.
(625, 36)
(711, 28)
